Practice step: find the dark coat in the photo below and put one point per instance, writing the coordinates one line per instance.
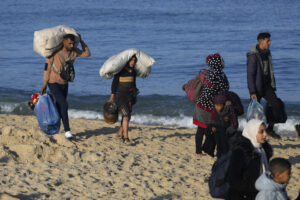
(255, 74)
(244, 169)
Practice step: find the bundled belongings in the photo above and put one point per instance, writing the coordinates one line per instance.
(34, 100)
(48, 41)
(117, 62)
(218, 184)
(276, 113)
(110, 112)
(256, 111)
(47, 115)
(193, 87)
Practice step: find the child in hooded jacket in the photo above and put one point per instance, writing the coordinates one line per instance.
(223, 118)
(272, 184)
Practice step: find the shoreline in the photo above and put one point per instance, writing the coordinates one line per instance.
(161, 164)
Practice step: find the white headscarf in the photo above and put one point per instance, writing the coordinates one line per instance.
(250, 132)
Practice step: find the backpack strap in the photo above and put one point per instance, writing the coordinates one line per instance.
(64, 59)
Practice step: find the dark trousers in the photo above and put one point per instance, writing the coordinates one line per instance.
(199, 139)
(60, 93)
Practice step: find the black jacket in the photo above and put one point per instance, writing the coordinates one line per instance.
(255, 74)
(244, 169)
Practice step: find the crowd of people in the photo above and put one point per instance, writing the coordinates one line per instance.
(249, 175)
(216, 112)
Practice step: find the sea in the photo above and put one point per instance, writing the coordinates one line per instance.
(177, 34)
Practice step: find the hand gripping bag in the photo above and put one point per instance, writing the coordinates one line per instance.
(116, 63)
(256, 111)
(48, 41)
(47, 115)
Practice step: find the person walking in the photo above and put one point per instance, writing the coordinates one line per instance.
(124, 92)
(54, 80)
(215, 82)
(261, 81)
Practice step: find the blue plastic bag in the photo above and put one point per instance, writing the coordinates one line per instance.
(256, 111)
(47, 115)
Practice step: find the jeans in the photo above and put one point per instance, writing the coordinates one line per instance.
(60, 93)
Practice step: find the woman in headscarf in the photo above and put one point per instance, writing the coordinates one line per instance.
(249, 159)
(124, 92)
(215, 82)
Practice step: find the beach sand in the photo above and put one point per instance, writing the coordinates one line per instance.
(161, 163)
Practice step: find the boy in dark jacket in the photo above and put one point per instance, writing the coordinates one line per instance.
(223, 117)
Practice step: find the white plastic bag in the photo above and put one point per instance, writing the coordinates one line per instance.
(116, 63)
(48, 41)
(256, 111)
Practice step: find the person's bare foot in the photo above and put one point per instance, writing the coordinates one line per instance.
(200, 154)
(119, 137)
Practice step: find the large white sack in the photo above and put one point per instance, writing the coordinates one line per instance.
(116, 63)
(48, 41)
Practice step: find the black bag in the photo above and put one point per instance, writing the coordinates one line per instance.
(276, 114)
(218, 185)
(67, 72)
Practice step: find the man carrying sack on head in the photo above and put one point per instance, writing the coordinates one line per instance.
(59, 70)
(261, 82)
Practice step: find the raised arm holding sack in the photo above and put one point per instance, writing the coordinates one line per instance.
(58, 71)
(124, 67)
(124, 94)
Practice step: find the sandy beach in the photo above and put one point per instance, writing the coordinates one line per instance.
(160, 164)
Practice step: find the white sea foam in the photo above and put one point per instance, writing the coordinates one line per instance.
(180, 121)
(84, 114)
(286, 128)
(8, 107)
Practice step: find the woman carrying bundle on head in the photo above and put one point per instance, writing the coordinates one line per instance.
(123, 93)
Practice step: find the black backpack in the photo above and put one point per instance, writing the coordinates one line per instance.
(218, 185)
(67, 72)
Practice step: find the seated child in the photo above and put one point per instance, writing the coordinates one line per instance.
(271, 185)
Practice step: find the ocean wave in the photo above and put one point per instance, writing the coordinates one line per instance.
(8, 107)
(181, 120)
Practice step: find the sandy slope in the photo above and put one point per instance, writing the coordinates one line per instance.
(160, 164)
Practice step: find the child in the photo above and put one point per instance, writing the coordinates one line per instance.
(271, 185)
(222, 118)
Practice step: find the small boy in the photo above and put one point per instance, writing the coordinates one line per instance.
(222, 118)
(271, 185)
